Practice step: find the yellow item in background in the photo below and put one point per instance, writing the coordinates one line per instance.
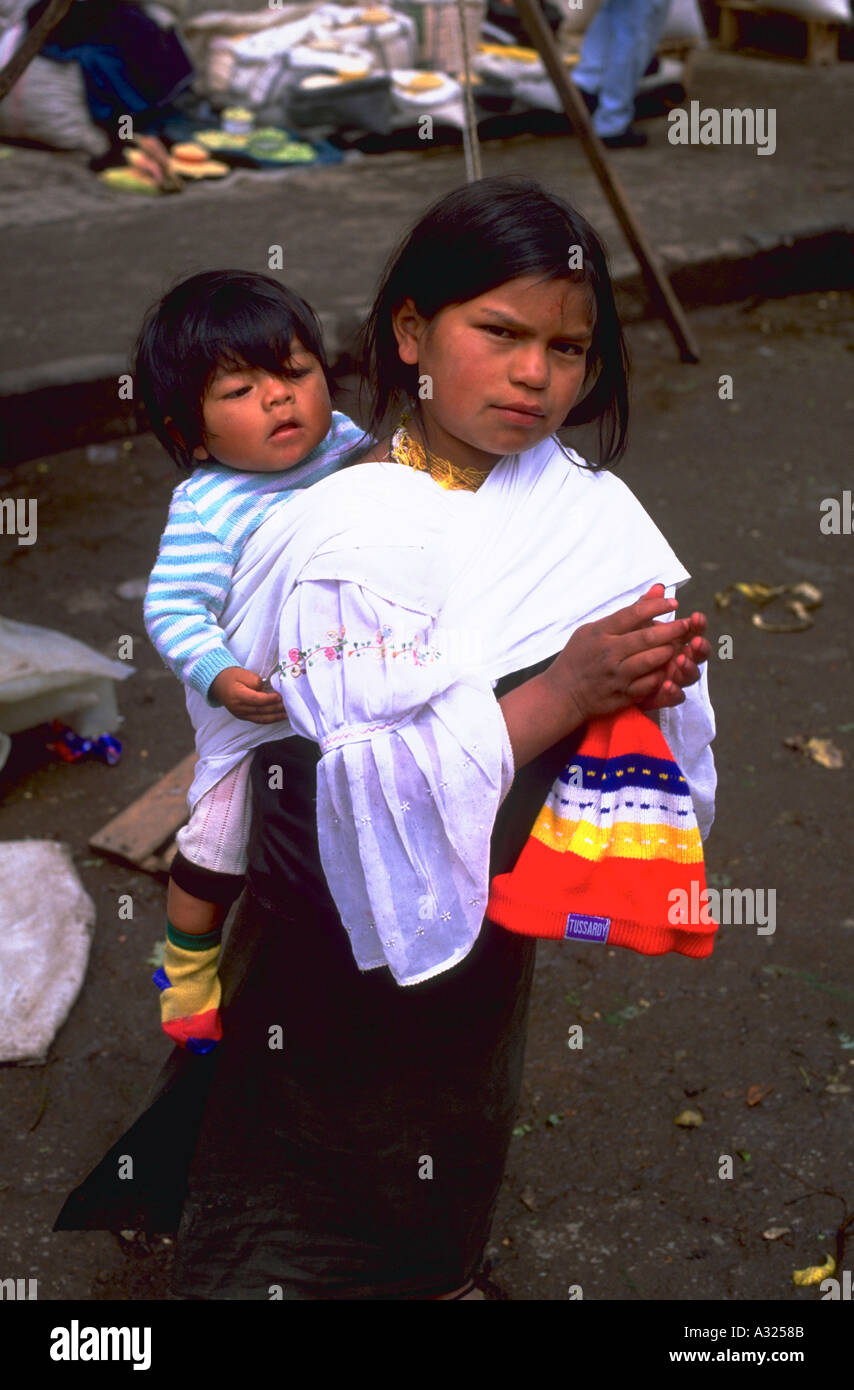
(423, 82)
(194, 162)
(503, 50)
(129, 181)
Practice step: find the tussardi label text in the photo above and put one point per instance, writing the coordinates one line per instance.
(581, 928)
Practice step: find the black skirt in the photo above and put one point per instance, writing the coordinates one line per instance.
(348, 1137)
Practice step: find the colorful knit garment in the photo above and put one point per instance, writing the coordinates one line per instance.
(615, 855)
(190, 989)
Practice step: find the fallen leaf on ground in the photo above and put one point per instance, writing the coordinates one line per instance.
(755, 1094)
(822, 750)
(798, 599)
(775, 1232)
(689, 1119)
(528, 1198)
(813, 1274)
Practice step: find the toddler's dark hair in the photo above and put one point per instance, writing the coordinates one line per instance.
(219, 318)
(471, 241)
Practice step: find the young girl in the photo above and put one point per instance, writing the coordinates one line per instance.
(349, 1138)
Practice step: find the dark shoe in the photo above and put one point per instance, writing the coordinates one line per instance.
(590, 99)
(658, 101)
(628, 139)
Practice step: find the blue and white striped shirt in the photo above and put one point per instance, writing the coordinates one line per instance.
(212, 515)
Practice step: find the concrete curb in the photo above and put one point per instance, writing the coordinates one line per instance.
(72, 402)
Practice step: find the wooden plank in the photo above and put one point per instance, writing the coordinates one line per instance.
(822, 43)
(659, 287)
(728, 29)
(159, 863)
(821, 36)
(149, 822)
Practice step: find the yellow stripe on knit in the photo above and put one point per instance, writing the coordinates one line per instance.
(626, 840)
(195, 983)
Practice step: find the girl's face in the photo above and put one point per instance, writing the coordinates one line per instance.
(504, 369)
(261, 423)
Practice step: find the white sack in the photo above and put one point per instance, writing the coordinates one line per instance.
(838, 10)
(48, 103)
(46, 924)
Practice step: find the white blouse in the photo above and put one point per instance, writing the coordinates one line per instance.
(415, 765)
(389, 608)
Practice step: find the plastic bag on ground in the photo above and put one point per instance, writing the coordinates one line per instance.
(46, 675)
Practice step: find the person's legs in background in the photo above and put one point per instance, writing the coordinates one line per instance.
(589, 72)
(614, 56)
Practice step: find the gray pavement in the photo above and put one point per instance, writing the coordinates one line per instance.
(87, 261)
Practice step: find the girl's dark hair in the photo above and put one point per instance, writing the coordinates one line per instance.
(220, 318)
(471, 241)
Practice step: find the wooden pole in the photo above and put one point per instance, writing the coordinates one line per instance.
(659, 287)
(24, 55)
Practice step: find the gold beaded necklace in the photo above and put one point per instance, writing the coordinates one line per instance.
(407, 450)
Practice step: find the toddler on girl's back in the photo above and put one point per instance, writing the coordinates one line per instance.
(233, 372)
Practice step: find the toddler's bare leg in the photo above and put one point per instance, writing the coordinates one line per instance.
(191, 914)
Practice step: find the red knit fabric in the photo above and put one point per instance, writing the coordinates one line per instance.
(622, 796)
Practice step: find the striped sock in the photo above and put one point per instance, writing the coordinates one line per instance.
(190, 990)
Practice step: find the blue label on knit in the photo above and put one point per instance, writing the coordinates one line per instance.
(581, 928)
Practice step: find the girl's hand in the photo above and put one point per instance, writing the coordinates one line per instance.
(244, 695)
(682, 670)
(627, 659)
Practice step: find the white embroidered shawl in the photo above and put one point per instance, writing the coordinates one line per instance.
(390, 607)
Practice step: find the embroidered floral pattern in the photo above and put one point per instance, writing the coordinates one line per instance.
(336, 647)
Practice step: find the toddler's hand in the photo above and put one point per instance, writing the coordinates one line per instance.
(244, 695)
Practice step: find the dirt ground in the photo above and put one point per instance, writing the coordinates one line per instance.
(602, 1188)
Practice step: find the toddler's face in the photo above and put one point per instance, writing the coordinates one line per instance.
(260, 423)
